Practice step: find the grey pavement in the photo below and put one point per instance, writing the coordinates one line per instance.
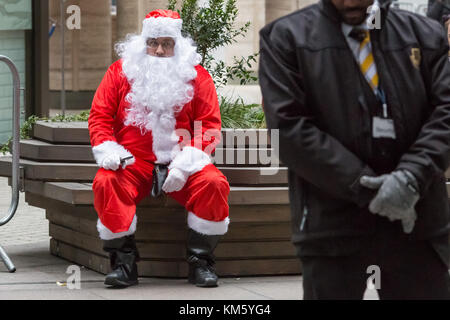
(41, 276)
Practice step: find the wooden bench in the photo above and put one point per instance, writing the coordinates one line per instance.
(59, 169)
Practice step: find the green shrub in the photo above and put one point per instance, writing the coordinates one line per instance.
(236, 114)
(212, 27)
(82, 116)
(27, 126)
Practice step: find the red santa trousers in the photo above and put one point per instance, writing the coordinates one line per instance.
(117, 193)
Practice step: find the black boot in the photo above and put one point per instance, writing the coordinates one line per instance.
(201, 259)
(123, 255)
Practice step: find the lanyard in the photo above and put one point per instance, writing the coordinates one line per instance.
(382, 97)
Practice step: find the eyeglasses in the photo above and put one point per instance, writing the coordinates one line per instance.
(166, 44)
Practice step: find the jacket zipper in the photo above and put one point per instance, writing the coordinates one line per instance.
(305, 216)
(305, 209)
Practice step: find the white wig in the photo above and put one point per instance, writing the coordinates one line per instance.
(160, 87)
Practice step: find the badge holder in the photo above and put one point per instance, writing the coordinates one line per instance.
(383, 127)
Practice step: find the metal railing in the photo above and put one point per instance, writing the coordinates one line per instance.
(15, 156)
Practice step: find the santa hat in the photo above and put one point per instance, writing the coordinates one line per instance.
(162, 23)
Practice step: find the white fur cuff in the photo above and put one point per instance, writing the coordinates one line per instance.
(190, 160)
(207, 227)
(106, 234)
(107, 148)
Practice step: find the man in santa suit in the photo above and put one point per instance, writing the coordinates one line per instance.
(157, 106)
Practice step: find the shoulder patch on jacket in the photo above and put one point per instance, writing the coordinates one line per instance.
(416, 57)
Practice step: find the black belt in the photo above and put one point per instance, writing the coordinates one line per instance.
(160, 172)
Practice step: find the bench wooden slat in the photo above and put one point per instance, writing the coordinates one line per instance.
(82, 194)
(256, 176)
(78, 133)
(43, 151)
(153, 268)
(51, 171)
(238, 213)
(76, 172)
(62, 132)
(175, 232)
(38, 150)
(177, 250)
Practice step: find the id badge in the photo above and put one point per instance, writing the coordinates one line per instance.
(383, 128)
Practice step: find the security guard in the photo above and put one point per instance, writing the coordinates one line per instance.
(363, 113)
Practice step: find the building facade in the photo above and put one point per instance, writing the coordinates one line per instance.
(30, 34)
(15, 22)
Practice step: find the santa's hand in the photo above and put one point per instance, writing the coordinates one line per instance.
(111, 162)
(175, 181)
(110, 155)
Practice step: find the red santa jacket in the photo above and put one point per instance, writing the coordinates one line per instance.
(108, 131)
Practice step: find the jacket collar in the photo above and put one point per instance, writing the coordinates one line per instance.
(331, 12)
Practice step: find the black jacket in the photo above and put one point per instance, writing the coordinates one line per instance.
(438, 9)
(312, 94)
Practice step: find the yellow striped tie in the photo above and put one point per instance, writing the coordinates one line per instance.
(367, 62)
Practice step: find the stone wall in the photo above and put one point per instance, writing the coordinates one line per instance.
(259, 13)
(88, 51)
(130, 14)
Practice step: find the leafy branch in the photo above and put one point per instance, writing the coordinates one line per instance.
(212, 27)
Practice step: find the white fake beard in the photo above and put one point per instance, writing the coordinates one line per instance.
(160, 87)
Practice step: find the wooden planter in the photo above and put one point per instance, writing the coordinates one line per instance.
(59, 169)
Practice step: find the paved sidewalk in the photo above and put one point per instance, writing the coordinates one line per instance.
(38, 273)
(42, 276)
(28, 225)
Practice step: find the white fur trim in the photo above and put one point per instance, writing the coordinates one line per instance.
(175, 180)
(207, 227)
(106, 234)
(105, 149)
(165, 140)
(190, 160)
(162, 27)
